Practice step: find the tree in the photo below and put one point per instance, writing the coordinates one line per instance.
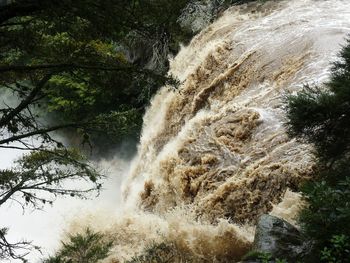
(45, 171)
(321, 116)
(13, 250)
(87, 247)
(71, 66)
(76, 58)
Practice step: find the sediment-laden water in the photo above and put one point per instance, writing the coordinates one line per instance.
(214, 154)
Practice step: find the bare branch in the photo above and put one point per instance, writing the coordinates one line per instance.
(8, 117)
(39, 131)
(19, 148)
(10, 250)
(63, 66)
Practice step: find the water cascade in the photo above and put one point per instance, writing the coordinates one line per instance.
(214, 154)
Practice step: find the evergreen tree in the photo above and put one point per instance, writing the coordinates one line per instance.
(87, 247)
(321, 116)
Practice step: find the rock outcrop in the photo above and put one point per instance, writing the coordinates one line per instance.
(277, 239)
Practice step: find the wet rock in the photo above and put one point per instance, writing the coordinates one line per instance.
(279, 239)
(198, 14)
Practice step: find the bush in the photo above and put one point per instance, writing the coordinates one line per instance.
(338, 251)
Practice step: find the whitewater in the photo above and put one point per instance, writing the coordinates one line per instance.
(214, 154)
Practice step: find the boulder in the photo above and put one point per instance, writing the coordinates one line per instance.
(280, 239)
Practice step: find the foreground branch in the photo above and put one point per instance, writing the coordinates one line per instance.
(68, 66)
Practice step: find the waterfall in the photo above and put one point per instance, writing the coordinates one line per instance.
(214, 154)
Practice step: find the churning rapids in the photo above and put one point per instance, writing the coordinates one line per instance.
(214, 155)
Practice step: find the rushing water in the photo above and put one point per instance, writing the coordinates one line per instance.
(214, 154)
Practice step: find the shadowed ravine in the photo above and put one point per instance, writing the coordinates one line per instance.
(214, 155)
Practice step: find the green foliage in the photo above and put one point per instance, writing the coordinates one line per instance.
(45, 172)
(322, 117)
(338, 251)
(70, 65)
(88, 67)
(162, 253)
(258, 255)
(87, 60)
(87, 247)
(329, 210)
(262, 257)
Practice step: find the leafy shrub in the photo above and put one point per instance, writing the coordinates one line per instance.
(338, 251)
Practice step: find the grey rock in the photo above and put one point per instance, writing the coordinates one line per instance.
(198, 14)
(280, 239)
